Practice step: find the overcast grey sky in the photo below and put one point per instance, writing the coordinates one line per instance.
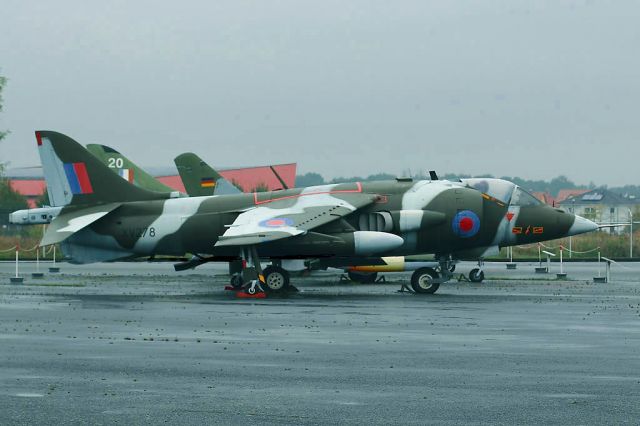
(532, 88)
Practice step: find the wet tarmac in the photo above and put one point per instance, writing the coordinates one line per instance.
(139, 343)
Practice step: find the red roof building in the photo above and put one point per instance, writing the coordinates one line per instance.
(29, 188)
(249, 179)
(563, 194)
(545, 197)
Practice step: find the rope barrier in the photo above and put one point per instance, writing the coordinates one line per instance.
(550, 247)
(36, 247)
(526, 247)
(580, 252)
(47, 249)
(562, 247)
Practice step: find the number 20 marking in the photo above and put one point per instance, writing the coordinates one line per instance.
(115, 163)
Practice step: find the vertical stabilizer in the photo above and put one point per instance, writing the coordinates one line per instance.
(200, 179)
(75, 176)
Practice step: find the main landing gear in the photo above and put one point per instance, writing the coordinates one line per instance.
(248, 280)
(276, 279)
(427, 280)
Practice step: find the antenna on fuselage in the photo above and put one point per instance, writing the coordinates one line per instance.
(433, 175)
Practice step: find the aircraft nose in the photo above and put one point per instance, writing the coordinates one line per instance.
(581, 225)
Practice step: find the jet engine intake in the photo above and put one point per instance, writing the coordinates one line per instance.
(377, 221)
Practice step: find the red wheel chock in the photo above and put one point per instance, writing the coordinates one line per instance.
(257, 295)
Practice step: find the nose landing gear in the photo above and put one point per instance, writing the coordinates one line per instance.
(476, 275)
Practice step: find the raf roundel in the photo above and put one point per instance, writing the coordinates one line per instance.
(466, 224)
(277, 222)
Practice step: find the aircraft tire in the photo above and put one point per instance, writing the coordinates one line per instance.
(476, 275)
(276, 279)
(363, 277)
(236, 281)
(422, 281)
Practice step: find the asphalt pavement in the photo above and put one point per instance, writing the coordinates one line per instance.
(136, 343)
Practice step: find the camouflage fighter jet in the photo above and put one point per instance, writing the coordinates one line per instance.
(346, 224)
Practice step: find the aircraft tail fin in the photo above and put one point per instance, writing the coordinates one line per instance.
(127, 169)
(200, 179)
(76, 177)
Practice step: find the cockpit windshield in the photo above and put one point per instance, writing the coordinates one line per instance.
(499, 189)
(523, 198)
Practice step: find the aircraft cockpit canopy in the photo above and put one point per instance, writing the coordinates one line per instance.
(523, 198)
(499, 189)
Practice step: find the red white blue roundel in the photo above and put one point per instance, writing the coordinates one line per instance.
(277, 222)
(466, 224)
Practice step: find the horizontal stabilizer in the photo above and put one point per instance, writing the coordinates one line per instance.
(72, 220)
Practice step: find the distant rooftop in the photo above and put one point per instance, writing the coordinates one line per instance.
(599, 196)
(563, 194)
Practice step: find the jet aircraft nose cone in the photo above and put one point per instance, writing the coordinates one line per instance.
(581, 225)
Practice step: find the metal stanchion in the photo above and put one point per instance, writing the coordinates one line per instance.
(561, 275)
(540, 269)
(511, 265)
(54, 269)
(17, 279)
(599, 278)
(37, 274)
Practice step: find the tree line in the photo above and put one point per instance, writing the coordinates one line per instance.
(552, 186)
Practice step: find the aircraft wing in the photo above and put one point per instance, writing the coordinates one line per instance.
(72, 220)
(291, 216)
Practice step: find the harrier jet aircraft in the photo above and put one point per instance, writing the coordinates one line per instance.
(106, 219)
